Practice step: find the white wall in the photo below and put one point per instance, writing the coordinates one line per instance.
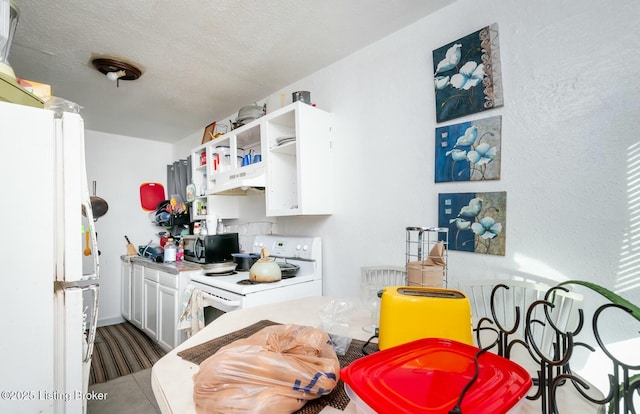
(119, 164)
(571, 106)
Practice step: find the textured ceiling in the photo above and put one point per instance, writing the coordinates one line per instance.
(201, 59)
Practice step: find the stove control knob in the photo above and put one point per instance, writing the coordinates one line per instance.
(298, 247)
(305, 247)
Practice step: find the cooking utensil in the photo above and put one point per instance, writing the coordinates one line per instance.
(220, 267)
(302, 96)
(265, 269)
(288, 270)
(250, 112)
(151, 194)
(87, 249)
(245, 260)
(99, 206)
(131, 249)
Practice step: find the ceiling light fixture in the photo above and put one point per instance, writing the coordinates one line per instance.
(116, 70)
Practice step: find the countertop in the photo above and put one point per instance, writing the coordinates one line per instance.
(173, 268)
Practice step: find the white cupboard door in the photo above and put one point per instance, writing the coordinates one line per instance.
(137, 298)
(75, 218)
(125, 292)
(168, 321)
(150, 310)
(76, 323)
(298, 161)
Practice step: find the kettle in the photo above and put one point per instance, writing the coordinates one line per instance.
(265, 269)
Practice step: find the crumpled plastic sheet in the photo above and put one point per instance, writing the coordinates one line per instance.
(60, 105)
(335, 317)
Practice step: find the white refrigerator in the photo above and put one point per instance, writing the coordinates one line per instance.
(49, 278)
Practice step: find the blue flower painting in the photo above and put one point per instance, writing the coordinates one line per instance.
(476, 221)
(467, 77)
(469, 151)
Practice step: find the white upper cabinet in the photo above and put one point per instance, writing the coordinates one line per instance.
(299, 166)
(294, 166)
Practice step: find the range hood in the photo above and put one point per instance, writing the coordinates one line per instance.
(240, 181)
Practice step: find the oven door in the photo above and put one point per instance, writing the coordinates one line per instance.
(216, 302)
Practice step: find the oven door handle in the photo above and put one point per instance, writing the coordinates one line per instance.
(221, 303)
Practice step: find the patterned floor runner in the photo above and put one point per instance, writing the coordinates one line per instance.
(119, 350)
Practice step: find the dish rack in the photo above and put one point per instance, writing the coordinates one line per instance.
(427, 250)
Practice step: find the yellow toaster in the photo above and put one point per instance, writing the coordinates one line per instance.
(408, 313)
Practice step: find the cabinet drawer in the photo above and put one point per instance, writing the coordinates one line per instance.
(151, 274)
(169, 280)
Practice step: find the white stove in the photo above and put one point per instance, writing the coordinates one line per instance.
(225, 293)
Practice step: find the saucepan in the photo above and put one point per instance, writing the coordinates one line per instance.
(245, 260)
(99, 206)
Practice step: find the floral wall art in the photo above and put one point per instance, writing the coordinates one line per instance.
(476, 221)
(467, 75)
(469, 151)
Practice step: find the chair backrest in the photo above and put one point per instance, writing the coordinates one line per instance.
(511, 294)
(383, 276)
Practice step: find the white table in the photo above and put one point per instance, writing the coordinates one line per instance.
(172, 377)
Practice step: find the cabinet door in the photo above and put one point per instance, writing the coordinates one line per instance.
(299, 166)
(137, 298)
(168, 317)
(125, 290)
(150, 310)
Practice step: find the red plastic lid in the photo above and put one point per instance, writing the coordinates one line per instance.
(427, 376)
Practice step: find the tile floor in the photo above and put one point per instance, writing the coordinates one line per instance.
(125, 395)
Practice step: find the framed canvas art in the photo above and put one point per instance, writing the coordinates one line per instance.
(469, 151)
(476, 221)
(467, 75)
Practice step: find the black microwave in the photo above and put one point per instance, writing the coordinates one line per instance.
(213, 248)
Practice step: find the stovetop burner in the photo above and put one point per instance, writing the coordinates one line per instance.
(232, 272)
(251, 282)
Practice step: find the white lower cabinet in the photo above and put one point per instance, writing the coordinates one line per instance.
(137, 299)
(126, 273)
(156, 300)
(168, 302)
(150, 297)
